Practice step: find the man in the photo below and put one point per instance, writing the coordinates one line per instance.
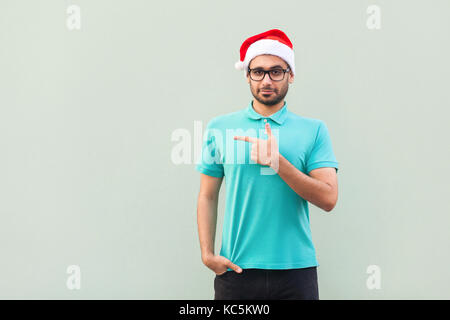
(275, 162)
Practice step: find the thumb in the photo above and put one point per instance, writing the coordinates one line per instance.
(268, 129)
(234, 267)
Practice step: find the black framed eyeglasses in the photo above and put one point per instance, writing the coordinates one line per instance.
(276, 74)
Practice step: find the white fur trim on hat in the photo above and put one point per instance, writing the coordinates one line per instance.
(269, 46)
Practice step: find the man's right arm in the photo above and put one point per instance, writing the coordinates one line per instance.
(208, 200)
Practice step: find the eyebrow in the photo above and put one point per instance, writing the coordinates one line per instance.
(273, 67)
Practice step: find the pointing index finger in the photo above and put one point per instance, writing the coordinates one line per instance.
(246, 138)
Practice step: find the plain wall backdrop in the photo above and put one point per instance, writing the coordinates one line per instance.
(87, 116)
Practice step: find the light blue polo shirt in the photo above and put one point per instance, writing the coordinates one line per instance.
(266, 224)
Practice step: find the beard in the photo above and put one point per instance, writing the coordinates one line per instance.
(274, 98)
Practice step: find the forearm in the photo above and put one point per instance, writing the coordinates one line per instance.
(206, 221)
(312, 190)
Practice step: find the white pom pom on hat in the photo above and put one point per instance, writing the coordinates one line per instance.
(274, 42)
(239, 65)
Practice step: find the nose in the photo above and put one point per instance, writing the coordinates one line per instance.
(266, 79)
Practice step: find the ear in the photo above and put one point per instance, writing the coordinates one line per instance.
(291, 77)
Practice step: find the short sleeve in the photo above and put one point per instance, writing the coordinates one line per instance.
(321, 154)
(210, 158)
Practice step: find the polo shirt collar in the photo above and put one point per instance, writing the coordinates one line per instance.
(278, 116)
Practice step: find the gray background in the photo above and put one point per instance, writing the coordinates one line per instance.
(86, 118)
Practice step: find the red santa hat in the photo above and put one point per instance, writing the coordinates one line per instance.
(274, 42)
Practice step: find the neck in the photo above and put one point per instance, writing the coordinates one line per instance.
(266, 110)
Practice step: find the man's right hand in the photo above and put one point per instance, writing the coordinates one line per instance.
(220, 264)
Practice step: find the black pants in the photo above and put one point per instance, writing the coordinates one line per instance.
(264, 284)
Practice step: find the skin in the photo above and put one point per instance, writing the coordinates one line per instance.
(320, 187)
